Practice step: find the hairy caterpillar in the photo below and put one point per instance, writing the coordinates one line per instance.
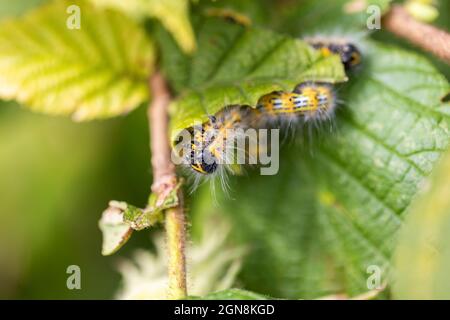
(212, 143)
(309, 100)
(350, 55)
(206, 153)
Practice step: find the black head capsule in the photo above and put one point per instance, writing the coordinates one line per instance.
(203, 162)
(350, 56)
(348, 52)
(204, 168)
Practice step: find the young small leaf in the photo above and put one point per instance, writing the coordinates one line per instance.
(140, 219)
(115, 231)
(120, 218)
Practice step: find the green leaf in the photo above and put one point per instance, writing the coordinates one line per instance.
(232, 294)
(310, 17)
(140, 219)
(115, 231)
(120, 218)
(250, 12)
(236, 65)
(423, 253)
(335, 207)
(173, 14)
(97, 71)
(165, 200)
(8, 8)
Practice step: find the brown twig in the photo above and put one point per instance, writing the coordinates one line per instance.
(164, 180)
(425, 36)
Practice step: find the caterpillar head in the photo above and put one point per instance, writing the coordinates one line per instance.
(348, 52)
(203, 162)
(350, 56)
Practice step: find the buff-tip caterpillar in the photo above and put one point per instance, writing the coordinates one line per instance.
(211, 147)
(350, 55)
(308, 101)
(216, 146)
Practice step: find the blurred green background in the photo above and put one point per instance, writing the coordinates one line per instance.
(56, 178)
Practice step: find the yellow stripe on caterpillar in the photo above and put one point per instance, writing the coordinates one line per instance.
(307, 99)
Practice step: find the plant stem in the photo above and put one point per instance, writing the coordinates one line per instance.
(175, 230)
(164, 179)
(425, 36)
